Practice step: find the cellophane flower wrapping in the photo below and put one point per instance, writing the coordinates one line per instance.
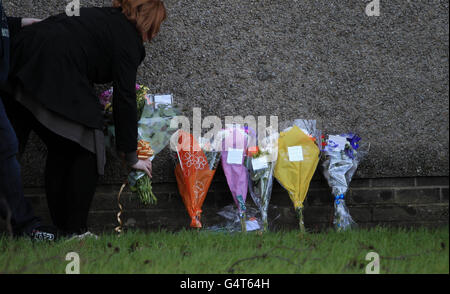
(232, 222)
(260, 162)
(196, 162)
(235, 140)
(341, 158)
(142, 98)
(298, 157)
(154, 133)
(153, 128)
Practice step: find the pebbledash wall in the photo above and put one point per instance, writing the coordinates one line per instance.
(384, 77)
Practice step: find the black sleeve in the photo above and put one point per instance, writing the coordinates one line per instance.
(124, 102)
(14, 25)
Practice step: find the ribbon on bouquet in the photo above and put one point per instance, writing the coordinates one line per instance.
(338, 198)
(118, 229)
(144, 152)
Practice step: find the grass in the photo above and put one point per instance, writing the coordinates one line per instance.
(410, 251)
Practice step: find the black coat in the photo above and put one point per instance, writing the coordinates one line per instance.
(9, 26)
(56, 61)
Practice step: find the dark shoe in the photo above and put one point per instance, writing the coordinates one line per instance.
(43, 233)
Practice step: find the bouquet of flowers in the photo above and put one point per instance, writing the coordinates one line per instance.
(154, 133)
(298, 156)
(235, 141)
(196, 164)
(260, 163)
(142, 98)
(341, 157)
(232, 223)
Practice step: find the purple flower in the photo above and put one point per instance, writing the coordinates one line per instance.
(105, 97)
(354, 139)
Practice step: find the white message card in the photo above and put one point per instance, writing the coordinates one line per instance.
(252, 225)
(235, 156)
(295, 153)
(259, 163)
(163, 100)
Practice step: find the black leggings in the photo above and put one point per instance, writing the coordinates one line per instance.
(70, 178)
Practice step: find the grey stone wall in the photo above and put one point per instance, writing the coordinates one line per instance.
(384, 77)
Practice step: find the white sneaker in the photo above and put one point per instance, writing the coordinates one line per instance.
(83, 236)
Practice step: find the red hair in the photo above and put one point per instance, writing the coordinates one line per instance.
(147, 15)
